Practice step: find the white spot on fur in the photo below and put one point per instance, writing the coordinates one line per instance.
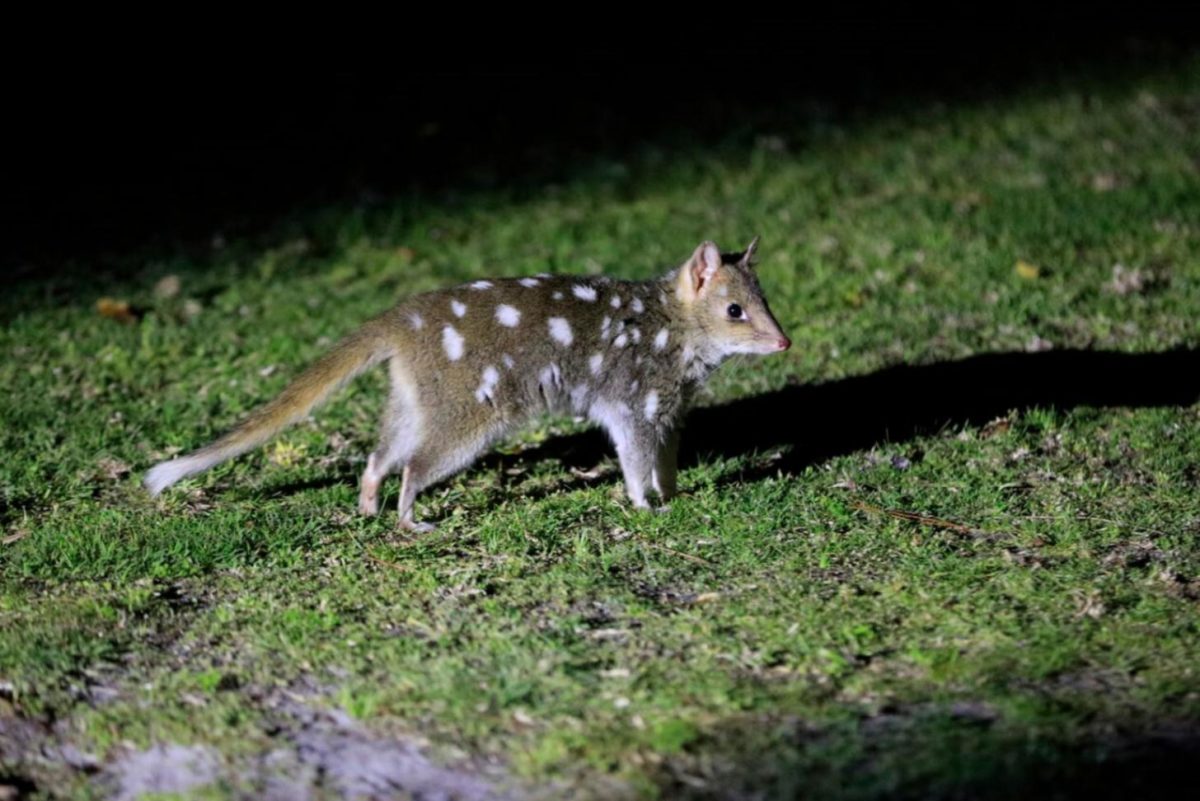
(635, 334)
(452, 343)
(604, 324)
(507, 315)
(556, 295)
(560, 330)
(660, 339)
(481, 285)
(459, 308)
(487, 384)
(634, 386)
(621, 341)
(584, 292)
(508, 361)
(688, 354)
(615, 302)
(636, 305)
(662, 298)
(416, 321)
(529, 282)
(612, 416)
(596, 360)
(651, 404)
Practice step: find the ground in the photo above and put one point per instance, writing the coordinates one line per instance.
(947, 546)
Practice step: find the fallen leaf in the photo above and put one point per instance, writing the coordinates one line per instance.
(1026, 270)
(16, 536)
(998, 426)
(608, 634)
(285, 454)
(1089, 605)
(112, 469)
(118, 310)
(167, 287)
(1125, 280)
(1036, 344)
(588, 475)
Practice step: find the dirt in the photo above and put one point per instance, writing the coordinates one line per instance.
(316, 753)
(162, 769)
(332, 751)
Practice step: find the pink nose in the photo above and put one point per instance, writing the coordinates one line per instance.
(784, 343)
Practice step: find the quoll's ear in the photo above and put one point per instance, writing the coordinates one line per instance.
(747, 259)
(698, 273)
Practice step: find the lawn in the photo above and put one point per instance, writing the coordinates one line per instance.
(946, 546)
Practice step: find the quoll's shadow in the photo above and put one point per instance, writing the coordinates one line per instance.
(816, 422)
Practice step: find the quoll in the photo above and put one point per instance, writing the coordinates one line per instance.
(469, 363)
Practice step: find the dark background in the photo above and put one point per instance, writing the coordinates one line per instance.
(114, 149)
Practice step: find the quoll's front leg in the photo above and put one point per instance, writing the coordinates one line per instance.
(637, 448)
(666, 467)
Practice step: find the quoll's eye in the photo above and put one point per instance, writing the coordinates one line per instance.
(735, 311)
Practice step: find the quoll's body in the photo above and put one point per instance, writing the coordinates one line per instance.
(470, 363)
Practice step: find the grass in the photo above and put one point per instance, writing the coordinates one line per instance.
(780, 630)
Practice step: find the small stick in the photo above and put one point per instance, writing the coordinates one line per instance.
(393, 565)
(690, 557)
(924, 520)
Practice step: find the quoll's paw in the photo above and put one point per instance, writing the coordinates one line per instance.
(417, 528)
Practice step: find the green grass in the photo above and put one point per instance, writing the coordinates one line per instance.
(777, 630)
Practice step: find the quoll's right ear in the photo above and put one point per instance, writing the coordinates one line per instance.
(697, 274)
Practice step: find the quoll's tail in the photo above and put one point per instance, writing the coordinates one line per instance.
(354, 354)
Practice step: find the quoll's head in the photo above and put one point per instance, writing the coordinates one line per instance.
(725, 303)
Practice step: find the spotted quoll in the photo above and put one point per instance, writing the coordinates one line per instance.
(470, 363)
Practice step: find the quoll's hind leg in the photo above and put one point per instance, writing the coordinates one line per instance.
(395, 447)
(400, 436)
(368, 493)
(412, 483)
(434, 460)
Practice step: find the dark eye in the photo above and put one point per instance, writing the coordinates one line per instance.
(735, 311)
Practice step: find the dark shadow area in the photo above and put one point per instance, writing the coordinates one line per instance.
(120, 152)
(810, 424)
(817, 422)
(813, 423)
(921, 756)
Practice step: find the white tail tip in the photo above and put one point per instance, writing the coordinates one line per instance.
(164, 474)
